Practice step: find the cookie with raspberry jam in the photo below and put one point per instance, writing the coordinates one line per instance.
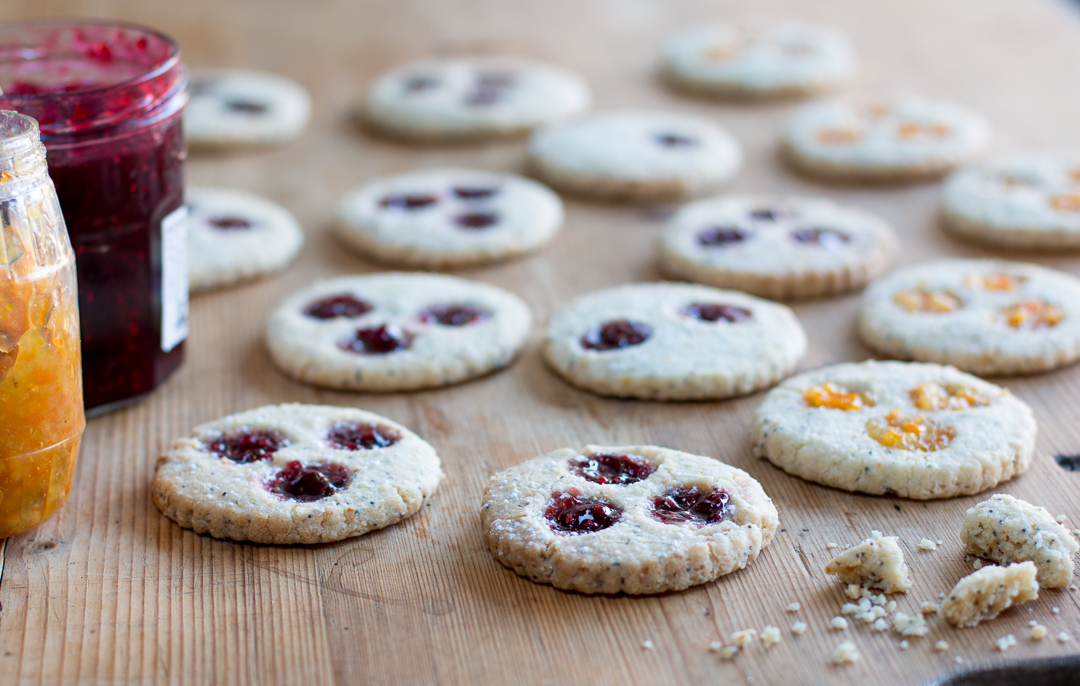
(235, 236)
(232, 108)
(447, 218)
(295, 473)
(780, 59)
(628, 519)
(983, 316)
(913, 430)
(885, 138)
(472, 97)
(776, 247)
(636, 156)
(396, 331)
(1029, 202)
(671, 341)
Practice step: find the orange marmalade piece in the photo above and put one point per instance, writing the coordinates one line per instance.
(910, 433)
(1069, 202)
(839, 135)
(912, 130)
(835, 398)
(922, 300)
(933, 397)
(996, 282)
(1030, 315)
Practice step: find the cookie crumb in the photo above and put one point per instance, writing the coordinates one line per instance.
(853, 591)
(1063, 637)
(940, 542)
(1055, 609)
(770, 636)
(926, 545)
(904, 645)
(845, 654)
(941, 595)
(794, 607)
(941, 646)
(1072, 587)
(849, 609)
(1061, 518)
(929, 608)
(909, 625)
(881, 624)
(744, 637)
(875, 534)
(715, 646)
(977, 564)
(1038, 632)
(830, 545)
(876, 562)
(1005, 642)
(647, 645)
(959, 660)
(729, 652)
(838, 623)
(799, 628)
(890, 606)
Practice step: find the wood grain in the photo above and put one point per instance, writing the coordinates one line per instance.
(109, 591)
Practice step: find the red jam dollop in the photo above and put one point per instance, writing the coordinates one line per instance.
(721, 235)
(675, 140)
(715, 312)
(476, 220)
(334, 306)
(229, 223)
(605, 468)
(408, 201)
(248, 446)
(309, 482)
(691, 506)
(381, 340)
(359, 436)
(575, 514)
(826, 238)
(475, 192)
(453, 315)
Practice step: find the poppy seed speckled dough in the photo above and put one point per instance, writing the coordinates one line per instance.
(241, 107)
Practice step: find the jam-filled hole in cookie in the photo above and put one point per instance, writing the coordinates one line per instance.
(380, 340)
(248, 107)
(720, 236)
(475, 192)
(229, 223)
(913, 130)
(830, 239)
(419, 83)
(767, 214)
(361, 436)
(935, 397)
(716, 312)
(675, 140)
(334, 306)
(999, 281)
(839, 136)
(577, 514)
(929, 302)
(906, 432)
(1069, 202)
(616, 334)
(609, 468)
(244, 446)
(408, 201)
(476, 220)
(834, 397)
(691, 505)
(307, 483)
(1033, 315)
(454, 315)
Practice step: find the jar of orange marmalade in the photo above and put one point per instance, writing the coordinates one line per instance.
(41, 407)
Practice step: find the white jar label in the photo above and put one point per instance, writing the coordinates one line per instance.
(174, 278)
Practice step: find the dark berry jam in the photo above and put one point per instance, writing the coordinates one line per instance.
(476, 220)
(356, 436)
(419, 83)
(248, 446)
(309, 482)
(334, 306)
(691, 506)
(574, 514)
(383, 340)
(407, 201)
(229, 223)
(675, 140)
(722, 235)
(826, 238)
(490, 87)
(621, 333)
(475, 192)
(453, 315)
(715, 312)
(766, 214)
(611, 469)
(247, 107)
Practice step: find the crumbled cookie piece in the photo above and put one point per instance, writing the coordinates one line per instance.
(1060, 519)
(1038, 632)
(1005, 642)
(977, 564)
(988, 592)
(910, 625)
(770, 636)
(729, 652)
(926, 545)
(881, 624)
(845, 654)
(838, 623)
(830, 545)
(1006, 529)
(853, 591)
(941, 646)
(1055, 609)
(876, 563)
(929, 608)
(799, 628)
(743, 638)
(793, 607)
(1063, 637)
(715, 646)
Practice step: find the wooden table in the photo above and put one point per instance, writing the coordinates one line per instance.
(110, 591)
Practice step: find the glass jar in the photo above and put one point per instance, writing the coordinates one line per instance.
(42, 421)
(108, 98)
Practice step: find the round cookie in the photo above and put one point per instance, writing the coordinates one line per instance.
(891, 138)
(775, 247)
(785, 58)
(285, 474)
(445, 218)
(917, 431)
(629, 519)
(396, 331)
(235, 236)
(241, 107)
(472, 97)
(671, 341)
(983, 316)
(1030, 202)
(636, 156)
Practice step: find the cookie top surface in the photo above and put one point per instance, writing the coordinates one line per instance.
(465, 97)
(673, 341)
(775, 236)
(884, 136)
(1029, 201)
(396, 331)
(295, 474)
(785, 57)
(984, 316)
(913, 430)
(449, 217)
(633, 519)
(637, 146)
(244, 107)
(235, 236)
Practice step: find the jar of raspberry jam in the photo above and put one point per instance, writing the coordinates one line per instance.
(108, 98)
(41, 421)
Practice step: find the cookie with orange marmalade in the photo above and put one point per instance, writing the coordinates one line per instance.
(983, 316)
(913, 430)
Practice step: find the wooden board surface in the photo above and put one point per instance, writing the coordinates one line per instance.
(110, 591)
